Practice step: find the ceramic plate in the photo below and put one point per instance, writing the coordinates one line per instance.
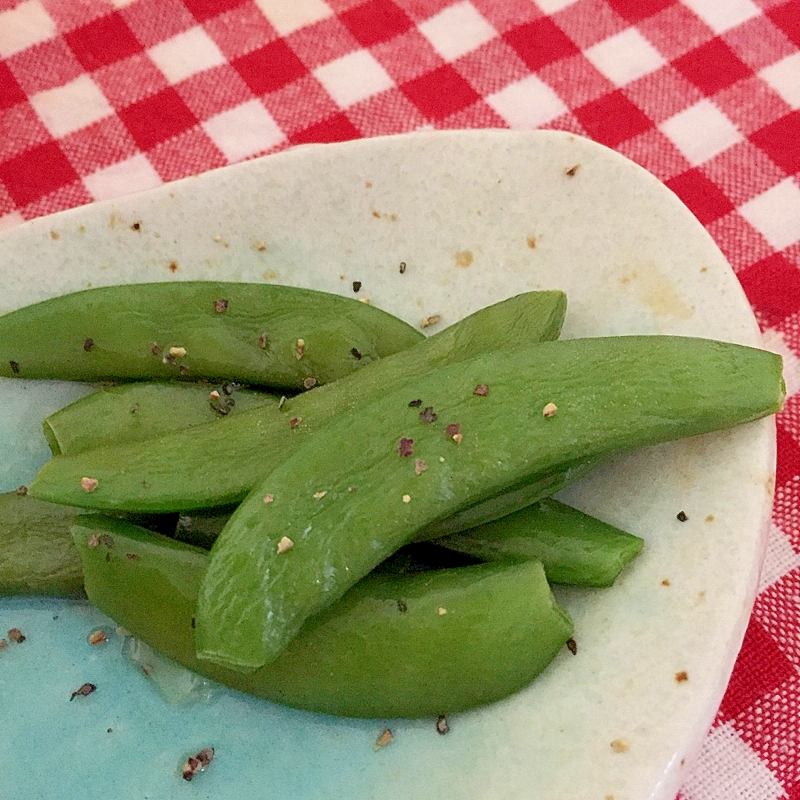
(476, 216)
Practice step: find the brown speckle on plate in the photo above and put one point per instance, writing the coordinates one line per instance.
(16, 635)
(197, 764)
(83, 691)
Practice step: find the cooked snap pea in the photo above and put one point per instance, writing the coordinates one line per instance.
(575, 548)
(393, 646)
(354, 493)
(258, 334)
(37, 555)
(219, 464)
(137, 411)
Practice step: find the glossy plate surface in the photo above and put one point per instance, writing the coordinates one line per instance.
(476, 216)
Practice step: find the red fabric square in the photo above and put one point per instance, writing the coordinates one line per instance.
(787, 18)
(788, 456)
(637, 10)
(387, 112)
(704, 198)
(772, 286)
(540, 42)
(322, 42)
(270, 67)
(67, 196)
(712, 66)
(576, 80)
(492, 67)
(675, 30)
(739, 241)
(157, 118)
(612, 119)
(375, 21)
(743, 172)
(758, 42)
(129, 81)
(751, 105)
(36, 172)
(440, 93)
(663, 93)
(205, 9)
(337, 128)
(656, 153)
(103, 42)
(10, 91)
(760, 668)
(781, 142)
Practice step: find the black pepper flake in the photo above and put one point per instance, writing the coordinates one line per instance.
(481, 390)
(107, 540)
(401, 607)
(428, 415)
(132, 556)
(295, 421)
(572, 646)
(356, 353)
(196, 764)
(415, 404)
(193, 623)
(453, 429)
(83, 691)
(442, 726)
(155, 349)
(572, 171)
(136, 226)
(402, 267)
(405, 447)
(21, 490)
(88, 344)
(16, 635)
(356, 286)
(220, 306)
(682, 516)
(14, 367)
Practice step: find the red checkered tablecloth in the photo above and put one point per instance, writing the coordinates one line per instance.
(100, 98)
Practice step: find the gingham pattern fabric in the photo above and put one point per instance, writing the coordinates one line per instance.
(100, 98)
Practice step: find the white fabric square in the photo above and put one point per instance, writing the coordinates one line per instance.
(551, 6)
(527, 104)
(286, 17)
(779, 560)
(457, 30)
(726, 764)
(186, 54)
(244, 131)
(72, 106)
(10, 220)
(775, 214)
(784, 78)
(353, 78)
(135, 174)
(24, 26)
(701, 132)
(625, 57)
(774, 341)
(722, 15)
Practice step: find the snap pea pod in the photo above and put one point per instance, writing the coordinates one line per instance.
(547, 406)
(574, 547)
(258, 334)
(385, 649)
(138, 411)
(219, 464)
(37, 555)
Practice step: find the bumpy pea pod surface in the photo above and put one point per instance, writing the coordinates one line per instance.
(138, 411)
(219, 464)
(386, 649)
(357, 491)
(263, 335)
(574, 547)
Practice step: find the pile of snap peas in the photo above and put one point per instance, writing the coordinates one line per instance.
(281, 543)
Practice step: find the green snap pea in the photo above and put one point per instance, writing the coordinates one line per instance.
(393, 646)
(138, 411)
(574, 547)
(219, 464)
(357, 491)
(259, 334)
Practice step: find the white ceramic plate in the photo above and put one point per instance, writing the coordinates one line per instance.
(476, 216)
